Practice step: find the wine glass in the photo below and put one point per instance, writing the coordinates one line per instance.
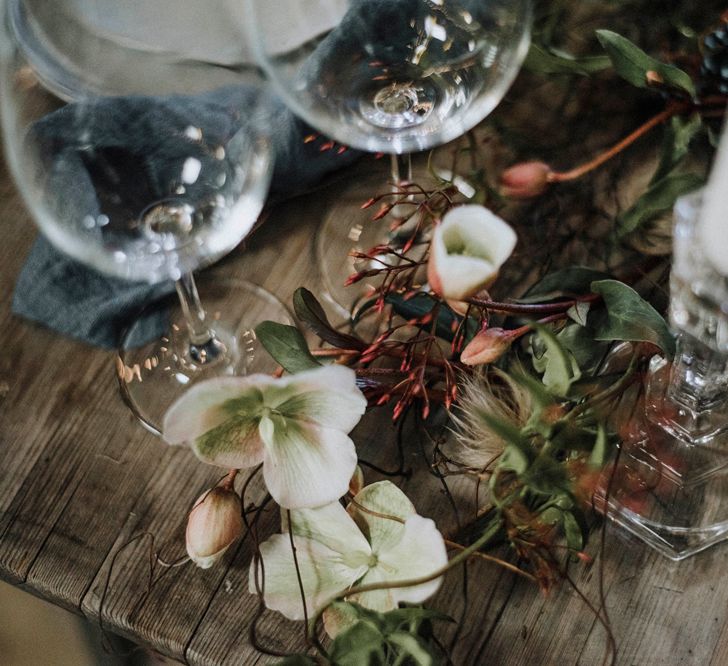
(389, 76)
(143, 166)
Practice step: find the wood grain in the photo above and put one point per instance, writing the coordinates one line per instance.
(83, 489)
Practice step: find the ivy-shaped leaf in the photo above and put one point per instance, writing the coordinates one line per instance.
(286, 345)
(632, 63)
(630, 317)
(558, 365)
(659, 197)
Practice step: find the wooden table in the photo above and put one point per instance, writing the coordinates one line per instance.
(83, 487)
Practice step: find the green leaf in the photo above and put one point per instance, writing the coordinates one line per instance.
(558, 365)
(361, 645)
(579, 312)
(632, 63)
(411, 617)
(422, 304)
(286, 345)
(573, 532)
(571, 281)
(579, 341)
(310, 312)
(551, 61)
(658, 198)
(410, 648)
(631, 318)
(598, 455)
(517, 453)
(676, 143)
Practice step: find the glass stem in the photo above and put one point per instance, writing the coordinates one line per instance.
(401, 172)
(401, 168)
(194, 313)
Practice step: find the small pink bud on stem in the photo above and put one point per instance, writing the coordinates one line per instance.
(487, 346)
(525, 180)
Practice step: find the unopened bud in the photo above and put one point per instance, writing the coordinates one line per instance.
(487, 346)
(214, 523)
(525, 180)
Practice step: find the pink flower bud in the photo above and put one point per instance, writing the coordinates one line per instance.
(487, 346)
(525, 180)
(214, 523)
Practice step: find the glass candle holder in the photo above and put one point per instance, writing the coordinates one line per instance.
(671, 484)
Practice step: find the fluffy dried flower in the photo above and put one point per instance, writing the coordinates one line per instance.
(494, 393)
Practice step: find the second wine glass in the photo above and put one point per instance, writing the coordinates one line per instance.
(146, 185)
(389, 76)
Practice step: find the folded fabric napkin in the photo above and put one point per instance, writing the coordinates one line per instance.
(130, 133)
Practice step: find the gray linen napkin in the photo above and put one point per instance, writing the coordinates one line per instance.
(77, 301)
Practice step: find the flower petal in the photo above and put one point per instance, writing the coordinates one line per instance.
(372, 508)
(206, 405)
(323, 575)
(305, 465)
(234, 443)
(332, 526)
(420, 552)
(468, 248)
(327, 396)
(377, 600)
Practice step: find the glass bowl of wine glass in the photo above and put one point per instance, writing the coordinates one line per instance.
(146, 183)
(389, 76)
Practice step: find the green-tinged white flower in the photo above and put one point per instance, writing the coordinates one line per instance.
(295, 425)
(468, 248)
(378, 539)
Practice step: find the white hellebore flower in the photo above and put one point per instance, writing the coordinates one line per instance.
(378, 539)
(295, 425)
(468, 248)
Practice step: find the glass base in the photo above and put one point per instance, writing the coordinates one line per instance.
(152, 376)
(671, 494)
(706, 430)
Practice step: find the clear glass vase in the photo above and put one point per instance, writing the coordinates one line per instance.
(671, 484)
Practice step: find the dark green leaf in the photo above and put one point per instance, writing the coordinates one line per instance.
(401, 617)
(675, 143)
(411, 649)
(310, 312)
(517, 454)
(286, 345)
(571, 281)
(422, 304)
(550, 61)
(545, 476)
(579, 340)
(579, 312)
(658, 198)
(573, 532)
(632, 63)
(631, 318)
(360, 645)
